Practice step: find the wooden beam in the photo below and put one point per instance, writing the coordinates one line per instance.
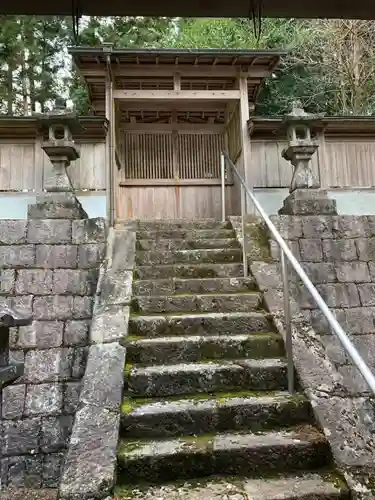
(172, 182)
(168, 127)
(173, 95)
(160, 70)
(244, 118)
(177, 81)
(167, 106)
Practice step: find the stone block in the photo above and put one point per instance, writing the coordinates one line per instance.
(33, 471)
(320, 324)
(22, 304)
(311, 250)
(371, 266)
(334, 349)
(123, 251)
(366, 248)
(44, 399)
(57, 256)
(336, 295)
(110, 324)
(89, 231)
(353, 381)
(74, 281)
(95, 434)
(275, 249)
(317, 226)
(90, 255)
(350, 226)
(309, 202)
(55, 433)
(367, 294)
(7, 281)
(337, 250)
(320, 272)
(275, 303)
(21, 436)
(360, 320)
(72, 392)
(289, 227)
(353, 272)
(116, 288)
(12, 231)
(52, 470)
(102, 386)
(53, 307)
(56, 210)
(82, 307)
(48, 365)
(17, 256)
(79, 362)
(34, 281)
(52, 231)
(267, 275)
(76, 333)
(13, 401)
(40, 334)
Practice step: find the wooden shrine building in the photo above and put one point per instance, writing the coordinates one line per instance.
(170, 114)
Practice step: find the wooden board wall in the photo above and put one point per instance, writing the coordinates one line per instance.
(22, 166)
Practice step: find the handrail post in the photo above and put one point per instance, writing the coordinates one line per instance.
(243, 213)
(288, 322)
(222, 175)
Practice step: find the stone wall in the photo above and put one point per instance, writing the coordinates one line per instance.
(49, 269)
(338, 255)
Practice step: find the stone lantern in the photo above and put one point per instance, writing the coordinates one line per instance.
(9, 370)
(305, 196)
(58, 197)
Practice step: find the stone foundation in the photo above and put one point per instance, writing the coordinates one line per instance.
(49, 269)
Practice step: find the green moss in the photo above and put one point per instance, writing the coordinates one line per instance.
(127, 370)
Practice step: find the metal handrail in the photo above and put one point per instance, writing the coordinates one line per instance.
(287, 254)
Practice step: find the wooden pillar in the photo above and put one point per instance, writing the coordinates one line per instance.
(110, 145)
(245, 139)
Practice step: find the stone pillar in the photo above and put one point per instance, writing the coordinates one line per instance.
(306, 197)
(58, 200)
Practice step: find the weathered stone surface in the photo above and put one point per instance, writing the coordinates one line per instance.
(34, 281)
(228, 454)
(204, 303)
(71, 397)
(168, 380)
(12, 231)
(185, 234)
(320, 324)
(53, 307)
(28, 494)
(351, 226)
(189, 271)
(317, 226)
(7, 281)
(353, 272)
(44, 399)
(90, 255)
(290, 228)
(94, 435)
(320, 272)
(41, 334)
(309, 202)
(48, 365)
(13, 401)
(366, 248)
(311, 250)
(17, 256)
(212, 255)
(336, 295)
(359, 319)
(267, 275)
(116, 288)
(56, 210)
(55, 433)
(43, 231)
(196, 224)
(275, 249)
(82, 307)
(52, 468)
(200, 324)
(21, 304)
(103, 381)
(334, 250)
(79, 362)
(183, 244)
(56, 256)
(196, 348)
(89, 231)
(74, 281)
(76, 333)
(367, 294)
(211, 414)
(21, 436)
(123, 251)
(334, 349)
(110, 324)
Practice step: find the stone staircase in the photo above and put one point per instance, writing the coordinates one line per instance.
(206, 414)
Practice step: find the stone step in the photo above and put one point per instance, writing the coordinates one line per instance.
(28, 494)
(209, 255)
(200, 324)
(230, 270)
(184, 244)
(283, 451)
(309, 486)
(161, 224)
(185, 234)
(209, 414)
(234, 302)
(191, 349)
(193, 378)
(202, 285)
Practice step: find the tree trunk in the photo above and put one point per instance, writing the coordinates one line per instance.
(10, 88)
